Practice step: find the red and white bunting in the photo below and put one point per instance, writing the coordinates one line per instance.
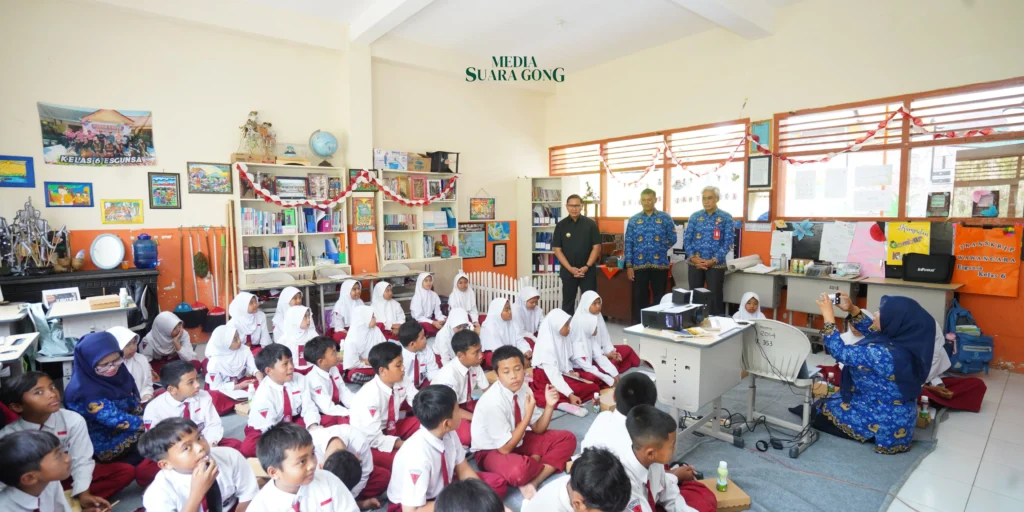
(363, 176)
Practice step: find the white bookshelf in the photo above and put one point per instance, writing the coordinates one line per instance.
(414, 235)
(527, 231)
(313, 241)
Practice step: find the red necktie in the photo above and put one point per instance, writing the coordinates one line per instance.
(416, 370)
(287, 406)
(516, 412)
(335, 393)
(202, 505)
(444, 468)
(295, 507)
(302, 355)
(248, 339)
(650, 497)
(391, 427)
(469, 386)
(188, 413)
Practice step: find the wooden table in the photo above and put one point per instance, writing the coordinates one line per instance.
(933, 297)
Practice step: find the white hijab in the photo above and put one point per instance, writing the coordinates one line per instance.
(223, 360)
(341, 317)
(388, 311)
(361, 338)
(552, 349)
(245, 322)
(282, 305)
(424, 301)
(294, 336)
(849, 337)
(124, 336)
(527, 321)
(462, 299)
(742, 313)
(443, 341)
(158, 342)
(495, 331)
(581, 334)
(604, 338)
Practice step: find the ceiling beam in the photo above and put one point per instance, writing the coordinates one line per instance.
(750, 19)
(382, 16)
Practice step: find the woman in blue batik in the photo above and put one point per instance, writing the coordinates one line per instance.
(882, 373)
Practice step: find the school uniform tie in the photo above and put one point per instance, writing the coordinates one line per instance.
(287, 406)
(444, 468)
(416, 370)
(335, 392)
(188, 413)
(469, 387)
(248, 339)
(295, 507)
(517, 414)
(650, 497)
(302, 355)
(391, 428)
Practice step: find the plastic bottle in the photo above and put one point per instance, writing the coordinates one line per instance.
(597, 403)
(123, 297)
(722, 484)
(831, 386)
(251, 391)
(923, 412)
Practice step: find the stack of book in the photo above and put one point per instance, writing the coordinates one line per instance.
(546, 194)
(399, 221)
(291, 221)
(396, 250)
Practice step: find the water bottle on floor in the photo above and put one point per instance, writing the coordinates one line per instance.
(597, 403)
(722, 484)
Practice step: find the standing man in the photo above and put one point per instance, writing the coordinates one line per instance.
(577, 245)
(709, 238)
(649, 236)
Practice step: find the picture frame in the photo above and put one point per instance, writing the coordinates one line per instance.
(418, 184)
(121, 211)
(985, 203)
(17, 172)
(67, 194)
(433, 188)
(316, 186)
(290, 187)
(364, 216)
(759, 171)
(164, 191)
(209, 178)
(60, 295)
(266, 181)
(334, 187)
(938, 204)
(500, 257)
(763, 131)
(481, 208)
(365, 187)
(472, 240)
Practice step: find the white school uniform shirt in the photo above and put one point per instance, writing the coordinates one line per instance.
(226, 383)
(494, 417)
(553, 352)
(609, 431)
(369, 412)
(425, 305)
(200, 408)
(170, 489)
(416, 476)
(456, 376)
(463, 299)
(73, 433)
(321, 386)
(355, 443)
(585, 351)
(267, 406)
(325, 493)
(428, 369)
(51, 499)
(553, 497)
(142, 373)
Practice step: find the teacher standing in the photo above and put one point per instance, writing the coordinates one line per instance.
(708, 240)
(577, 245)
(649, 236)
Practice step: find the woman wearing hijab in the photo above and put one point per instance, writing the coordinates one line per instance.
(457, 320)
(940, 359)
(586, 356)
(622, 356)
(167, 341)
(298, 329)
(349, 298)
(249, 322)
(230, 369)
(387, 310)
(499, 330)
(137, 365)
(290, 296)
(552, 363)
(426, 305)
(362, 336)
(527, 314)
(750, 308)
(882, 373)
(462, 296)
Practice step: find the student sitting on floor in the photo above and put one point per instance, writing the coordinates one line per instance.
(425, 305)
(387, 310)
(750, 308)
(333, 444)
(290, 296)
(193, 475)
(328, 391)
(250, 322)
(137, 364)
(433, 457)
(186, 399)
(462, 374)
(349, 298)
(586, 357)
(552, 364)
(622, 356)
(281, 398)
(527, 314)
(472, 495)
(499, 330)
(464, 297)
(298, 329)
(35, 397)
(33, 466)
(377, 410)
(596, 483)
(230, 369)
(500, 437)
(420, 362)
(286, 454)
(168, 341)
(457, 321)
(362, 337)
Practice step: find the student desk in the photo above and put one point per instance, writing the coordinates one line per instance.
(933, 297)
(78, 319)
(768, 288)
(693, 372)
(10, 315)
(13, 348)
(803, 292)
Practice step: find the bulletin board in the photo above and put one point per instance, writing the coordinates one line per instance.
(810, 246)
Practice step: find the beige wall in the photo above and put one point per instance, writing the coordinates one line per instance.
(823, 52)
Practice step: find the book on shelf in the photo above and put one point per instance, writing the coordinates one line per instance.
(545, 263)
(429, 249)
(291, 221)
(399, 221)
(542, 240)
(546, 194)
(396, 250)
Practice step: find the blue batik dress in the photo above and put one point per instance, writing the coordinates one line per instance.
(114, 425)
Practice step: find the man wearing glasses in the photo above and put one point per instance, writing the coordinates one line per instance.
(649, 236)
(708, 240)
(577, 245)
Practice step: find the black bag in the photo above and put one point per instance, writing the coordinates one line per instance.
(928, 268)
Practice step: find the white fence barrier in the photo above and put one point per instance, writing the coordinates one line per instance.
(491, 285)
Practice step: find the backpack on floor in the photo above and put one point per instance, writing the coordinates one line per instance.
(970, 352)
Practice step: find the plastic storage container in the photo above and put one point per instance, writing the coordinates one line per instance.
(144, 248)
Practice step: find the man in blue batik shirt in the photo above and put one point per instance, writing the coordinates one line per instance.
(649, 236)
(708, 239)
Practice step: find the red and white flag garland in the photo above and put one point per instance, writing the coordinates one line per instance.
(363, 176)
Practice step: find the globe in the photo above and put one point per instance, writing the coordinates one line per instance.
(323, 144)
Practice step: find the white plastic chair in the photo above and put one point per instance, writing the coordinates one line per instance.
(778, 352)
(275, 277)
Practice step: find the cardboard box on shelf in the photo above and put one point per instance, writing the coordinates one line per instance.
(390, 160)
(732, 500)
(418, 163)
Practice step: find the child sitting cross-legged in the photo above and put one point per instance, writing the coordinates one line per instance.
(281, 398)
(185, 399)
(194, 477)
(387, 310)
(418, 358)
(337, 448)
(362, 336)
(328, 391)
(425, 305)
(462, 374)
(298, 329)
(33, 466)
(230, 369)
(378, 408)
(349, 298)
(597, 482)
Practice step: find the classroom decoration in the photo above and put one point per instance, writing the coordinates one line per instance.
(206, 178)
(481, 208)
(66, 194)
(91, 136)
(17, 171)
(472, 241)
(987, 260)
(164, 191)
(498, 231)
(257, 136)
(867, 250)
(323, 144)
(121, 211)
(905, 238)
(802, 229)
(363, 217)
(28, 246)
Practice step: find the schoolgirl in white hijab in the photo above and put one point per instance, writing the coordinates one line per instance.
(750, 308)
(387, 310)
(290, 296)
(457, 320)
(622, 356)
(348, 300)
(363, 335)
(230, 363)
(525, 317)
(498, 330)
(426, 305)
(586, 351)
(166, 341)
(249, 321)
(297, 330)
(552, 358)
(138, 366)
(462, 296)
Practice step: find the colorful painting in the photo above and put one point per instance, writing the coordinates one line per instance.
(363, 215)
(481, 208)
(905, 238)
(17, 171)
(121, 211)
(204, 178)
(365, 187)
(289, 187)
(61, 194)
(96, 136)
(498, 231)
(472, 241)
(164, 191)
(763, 131)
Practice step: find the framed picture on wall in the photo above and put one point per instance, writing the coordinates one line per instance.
(290, 187)
(759, 172)
(67, 194)
(17, 171)
(164, 191)
(206, 178)
(500, 255)
(481, 208)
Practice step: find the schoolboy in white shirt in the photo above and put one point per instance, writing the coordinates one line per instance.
(33, 466)
(463, 373)
(193, 476)
(326, 387)
(377, 411)
(281, 397)
(370, 481)
(471, 495)
(418, 359)
(596, 483)
(296, 485)
(185, 398)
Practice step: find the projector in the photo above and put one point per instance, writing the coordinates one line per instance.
(681, 296)
(673, 317)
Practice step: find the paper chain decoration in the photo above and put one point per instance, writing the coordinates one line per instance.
(363, 176)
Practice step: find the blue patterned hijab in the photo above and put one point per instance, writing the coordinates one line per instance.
(88, 385)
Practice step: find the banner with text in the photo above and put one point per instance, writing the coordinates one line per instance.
(905, 238)
(987, 260)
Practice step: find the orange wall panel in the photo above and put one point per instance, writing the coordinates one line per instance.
(487, 263)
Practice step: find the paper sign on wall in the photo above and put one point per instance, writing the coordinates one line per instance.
(835, 183)
(782, 244)
(870, 253)
(987, 260)
(905, 238)
(836, 238)
(873, 176)
(806, 184)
